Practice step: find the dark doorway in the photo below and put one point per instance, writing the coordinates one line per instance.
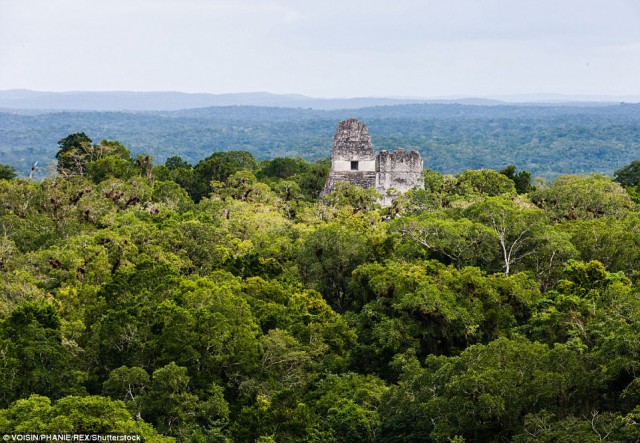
(354, 166)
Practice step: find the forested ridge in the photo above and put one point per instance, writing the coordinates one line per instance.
(546, 140)
(224, 301)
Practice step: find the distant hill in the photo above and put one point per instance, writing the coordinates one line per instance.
(546, 140)
(18, 99)
(22, 99)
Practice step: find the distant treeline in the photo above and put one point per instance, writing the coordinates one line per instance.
(546, 140)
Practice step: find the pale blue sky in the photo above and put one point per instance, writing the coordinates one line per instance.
(323, 48)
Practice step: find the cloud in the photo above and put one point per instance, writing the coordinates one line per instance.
(365, 24)
(329, 47)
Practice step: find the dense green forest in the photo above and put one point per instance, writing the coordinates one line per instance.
(546, 140)
(223, 301)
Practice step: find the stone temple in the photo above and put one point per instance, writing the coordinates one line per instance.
(353, 160)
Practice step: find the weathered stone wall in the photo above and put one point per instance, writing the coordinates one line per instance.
(364, 179)
(352, 142)
(353, 160)
(345, 165)
(399, 169)
(400, 161)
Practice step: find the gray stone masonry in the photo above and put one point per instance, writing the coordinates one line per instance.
(353, 160)
(352, 142)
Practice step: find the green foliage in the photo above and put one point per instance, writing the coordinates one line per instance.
(429, 308)
(610, 240)
(172, 195)
(77, 156)
(176, 162)
(110, 166)
(283, 167)
(349, 403)
(354, 197)
(7, 172)
(218, 167)
(520, 234)
(461, 242)
(227, 302)
(34, 357)
(128, 385)
(309, 177)
(329, 255)
(177, 411)
(521, 180)
(547, 427)
(281, 417)
(73, 154)
(485, 182)
(571, 311)
(573, 197)
(480, 394)
(312, 182)
(628, 176)
(74, 415)
(545, 140)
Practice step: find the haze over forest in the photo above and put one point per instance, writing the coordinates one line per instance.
(171, 101)
(327, 61)
(548, 139)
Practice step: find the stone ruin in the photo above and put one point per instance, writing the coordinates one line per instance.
(353, 160)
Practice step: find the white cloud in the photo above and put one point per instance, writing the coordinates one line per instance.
(330, 47)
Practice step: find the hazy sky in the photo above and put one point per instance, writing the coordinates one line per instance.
(323, 48)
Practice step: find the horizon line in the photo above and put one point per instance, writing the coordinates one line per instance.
(509, 97)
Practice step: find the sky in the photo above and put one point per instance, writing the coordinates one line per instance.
(323, 48)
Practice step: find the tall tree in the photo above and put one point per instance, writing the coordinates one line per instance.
(629, 175)
(521, 180)
(7, 172)
(572, 197)
(515, 229)
(219, 166)
(73, 154)
(34, 359)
